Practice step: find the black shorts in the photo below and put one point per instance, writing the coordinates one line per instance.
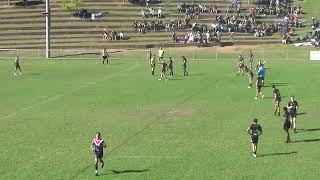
(104, 57)
(293, 114)
(98, 155)
(259, 87)
(286, 125)
(254, 139)
(278, 100)
(18, 67)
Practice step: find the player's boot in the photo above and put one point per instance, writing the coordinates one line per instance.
(102, 165)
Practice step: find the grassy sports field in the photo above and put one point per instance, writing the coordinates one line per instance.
(186, 128)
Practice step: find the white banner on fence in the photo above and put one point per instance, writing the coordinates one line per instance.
(315, 55)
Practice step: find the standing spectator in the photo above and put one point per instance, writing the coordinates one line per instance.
(174, 37)
(160, 13)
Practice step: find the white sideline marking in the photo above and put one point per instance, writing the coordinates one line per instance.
(152, 157)
(56, 97)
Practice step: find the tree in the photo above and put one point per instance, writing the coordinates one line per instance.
(70, 4)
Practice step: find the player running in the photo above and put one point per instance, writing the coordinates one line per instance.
(250, 58)
(170, 66)
(153, 64)
(163, 70)
(255, 130)
(184, 66)
(97, 146)
(17, 67)
(250, 76)
(293, 107)
(241, 65)
(161, 54)
(259, 88)
(276, 100)
(286, 124)
(105, 56)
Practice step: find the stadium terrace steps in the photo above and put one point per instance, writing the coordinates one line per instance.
(23, 27)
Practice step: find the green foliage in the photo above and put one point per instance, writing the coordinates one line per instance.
(70, 4)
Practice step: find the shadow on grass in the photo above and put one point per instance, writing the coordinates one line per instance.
(307, 130)
(175, 79)
(278, 154)
(306, 140)
(303, 113)
(129, 171)
(79, 54)
(197, 74)
(32, 74)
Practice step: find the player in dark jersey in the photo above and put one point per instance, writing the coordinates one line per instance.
(17, 67)
(184, 66)
(170, 66)
(241, 65)
(250, 76)
(105, 56)
(250, 58)
(286, 124)
(255, 130)
(259, 88)
(97, 146)
(276, 100)
(163, 70)
(293, 107)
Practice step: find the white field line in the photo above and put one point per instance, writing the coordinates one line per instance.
(58, 96)
(152, 157)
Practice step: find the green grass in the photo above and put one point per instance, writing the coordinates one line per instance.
(187, 128)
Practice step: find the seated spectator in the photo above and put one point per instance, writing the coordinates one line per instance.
(121, 36)
(105, 35)
(96, 16)
(143, 13)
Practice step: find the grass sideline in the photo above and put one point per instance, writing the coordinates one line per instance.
(187, 128)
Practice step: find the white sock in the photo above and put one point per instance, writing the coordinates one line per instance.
(96, 171)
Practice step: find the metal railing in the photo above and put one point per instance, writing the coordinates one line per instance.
(226, 53)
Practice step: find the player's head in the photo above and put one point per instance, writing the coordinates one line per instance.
(285, 108)
(273, 86)
(292, 98)
(255, 120)
(105, 49)
(98, 135)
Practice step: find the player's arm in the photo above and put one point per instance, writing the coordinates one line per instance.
(265, 62)
(296, 105)
(260, 131)
(248, 131)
